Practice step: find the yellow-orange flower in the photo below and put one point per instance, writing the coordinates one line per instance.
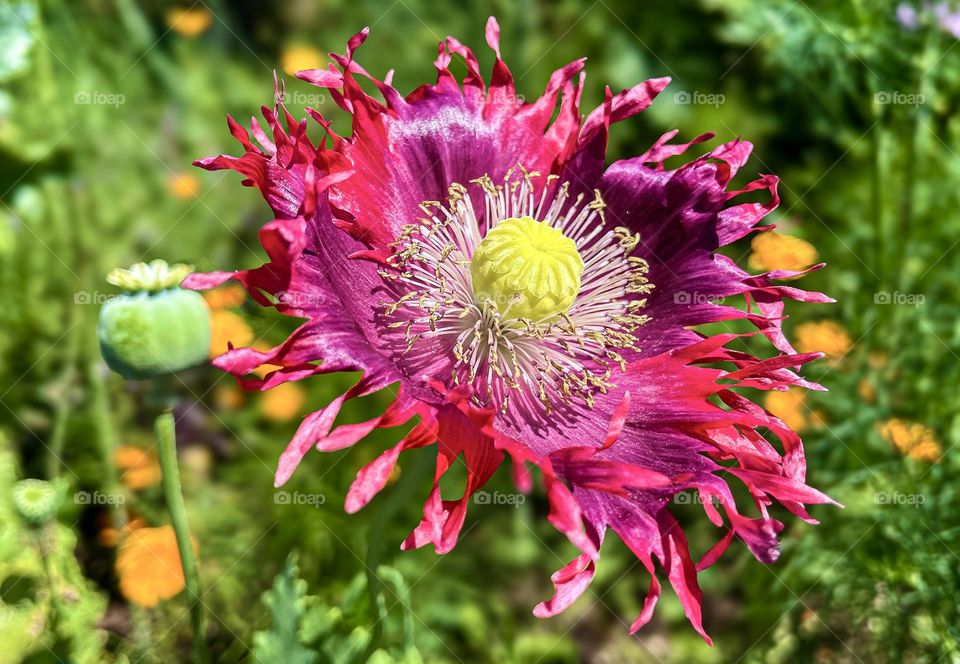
(866, 390)
(264, 369)
(226, 326)
(138, 467)
(789, 406)
(283, 402)
(225, 297)
(148, 566)
(189, 21)
(825, 336)
(228, 397)
(773, 251)
(110, 536)
(911, 439)
(298, 58)
(183, 185)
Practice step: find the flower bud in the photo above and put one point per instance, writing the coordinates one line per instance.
(36, 501)
(154, 328)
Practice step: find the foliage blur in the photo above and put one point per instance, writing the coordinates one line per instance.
(104, 104)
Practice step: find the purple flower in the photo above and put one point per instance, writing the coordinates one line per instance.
(908, 16)
(530, 304)
(946, 16)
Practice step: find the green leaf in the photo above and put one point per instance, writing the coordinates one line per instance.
(288, 605)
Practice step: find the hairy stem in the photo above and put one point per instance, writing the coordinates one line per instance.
(164, 428)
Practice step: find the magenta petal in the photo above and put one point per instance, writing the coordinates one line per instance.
(373, 477)
(569, 582)
(682, 572)
(315, 429)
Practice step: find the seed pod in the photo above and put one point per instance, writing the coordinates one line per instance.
(154, 328)
(36, 501)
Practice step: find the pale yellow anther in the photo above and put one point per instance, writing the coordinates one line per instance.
(528, 266)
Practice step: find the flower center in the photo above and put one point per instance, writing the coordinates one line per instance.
(528, 268)
(529, 301)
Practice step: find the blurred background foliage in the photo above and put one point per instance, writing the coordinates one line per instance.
(104, 104)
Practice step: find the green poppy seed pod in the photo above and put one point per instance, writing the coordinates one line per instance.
(36, 501)
(154, 328)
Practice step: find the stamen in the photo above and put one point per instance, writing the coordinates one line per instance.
(524, 368)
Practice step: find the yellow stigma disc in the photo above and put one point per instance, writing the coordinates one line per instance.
(528, 266)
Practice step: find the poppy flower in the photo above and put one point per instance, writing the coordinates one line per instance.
(148, 566)
(825, 336)
(138, 467)
(283, 402)
(773, 251)
(189, 21)
(530, 305)
(184, 186)
(226, 328)
(911, 439)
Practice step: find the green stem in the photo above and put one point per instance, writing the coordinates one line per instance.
(918, 146)
(58, 433)
(43, 550)
(917, 150)
(105, 436)
(164, 428)
(877, 185)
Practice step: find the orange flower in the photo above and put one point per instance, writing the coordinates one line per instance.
(225, 297)
(189, 21)
(825, 336)
(226, 326)
(138, 467)
(282, 402)
(866, 390)
(148, 566)
(264, 369)
(183, 185)
(911, 439)
(110, 536)
(298, 58)
(228, 397)
(773, 251)
(789, 406)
